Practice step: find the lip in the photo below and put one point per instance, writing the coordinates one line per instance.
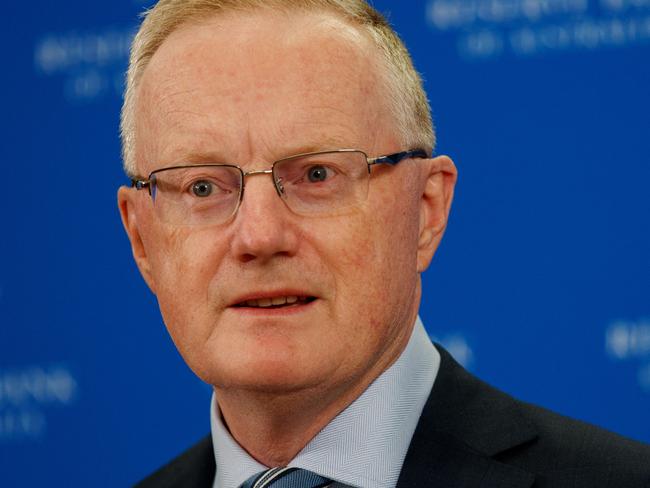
(274, 312)
(239, 303)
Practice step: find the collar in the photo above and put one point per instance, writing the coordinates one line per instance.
(362, 454)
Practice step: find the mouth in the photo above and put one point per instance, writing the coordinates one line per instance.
(275, 302)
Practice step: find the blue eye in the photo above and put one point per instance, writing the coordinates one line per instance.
(317, 174)
(202, 188)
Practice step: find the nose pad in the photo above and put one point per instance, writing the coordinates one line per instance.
(279, 187)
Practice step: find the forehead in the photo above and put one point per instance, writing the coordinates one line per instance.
(260, 82)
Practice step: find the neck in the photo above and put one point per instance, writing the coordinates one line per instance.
(273, 427)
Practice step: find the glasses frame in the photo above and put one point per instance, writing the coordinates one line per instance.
(391, 159)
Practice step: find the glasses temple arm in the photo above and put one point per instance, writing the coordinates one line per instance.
(140, 184)
(394, 159)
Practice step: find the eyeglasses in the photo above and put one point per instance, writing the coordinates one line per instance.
(312, 184)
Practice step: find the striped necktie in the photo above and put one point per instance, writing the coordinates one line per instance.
(286, 478)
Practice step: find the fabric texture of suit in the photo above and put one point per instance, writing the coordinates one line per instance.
(472, 435)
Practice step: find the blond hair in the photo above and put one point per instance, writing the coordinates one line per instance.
(403, 84)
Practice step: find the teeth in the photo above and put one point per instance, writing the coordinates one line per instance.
(276, 301)
(279, 301)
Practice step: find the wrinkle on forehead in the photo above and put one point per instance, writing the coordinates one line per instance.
(187, 68)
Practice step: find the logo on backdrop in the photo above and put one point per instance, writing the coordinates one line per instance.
(28, 395)
(630, 341)
(489, 29)
(91, 65)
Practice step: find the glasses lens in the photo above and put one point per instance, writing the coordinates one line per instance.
(196, 195)
(323, 183)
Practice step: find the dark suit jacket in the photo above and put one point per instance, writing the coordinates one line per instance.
(472, 435)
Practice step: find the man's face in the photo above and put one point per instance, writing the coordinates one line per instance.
(248, 90)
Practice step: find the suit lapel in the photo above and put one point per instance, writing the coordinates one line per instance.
(464, 425)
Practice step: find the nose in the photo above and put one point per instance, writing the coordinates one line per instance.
(264, 228)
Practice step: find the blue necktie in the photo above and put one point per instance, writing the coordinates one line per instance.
(286, 478)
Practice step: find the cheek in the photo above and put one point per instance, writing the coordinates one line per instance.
(372, 256)
(394, 235)
(183, 267)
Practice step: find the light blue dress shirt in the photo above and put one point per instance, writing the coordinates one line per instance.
(365, 445)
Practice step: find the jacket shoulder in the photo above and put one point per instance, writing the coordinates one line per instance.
(194, 468)
(565, 447)
(557, 450)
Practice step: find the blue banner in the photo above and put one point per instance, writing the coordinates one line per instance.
(541, 286)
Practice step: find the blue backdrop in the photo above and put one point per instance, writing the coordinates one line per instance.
(541, 286)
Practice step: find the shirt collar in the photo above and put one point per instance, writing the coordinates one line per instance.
(363, 454)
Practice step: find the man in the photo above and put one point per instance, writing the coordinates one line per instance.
(284, 204)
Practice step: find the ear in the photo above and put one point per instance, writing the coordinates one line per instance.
(126, 201)
(439, 180)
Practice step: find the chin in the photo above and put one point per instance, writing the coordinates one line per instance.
(263, 374)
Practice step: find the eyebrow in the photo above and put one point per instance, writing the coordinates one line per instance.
(290, 150)
(199, 158)
(324, 144)
(312, 148)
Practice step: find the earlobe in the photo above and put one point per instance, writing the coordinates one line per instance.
(436, 197)
(126, 204)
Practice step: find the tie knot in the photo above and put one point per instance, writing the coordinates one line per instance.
(286, 478)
